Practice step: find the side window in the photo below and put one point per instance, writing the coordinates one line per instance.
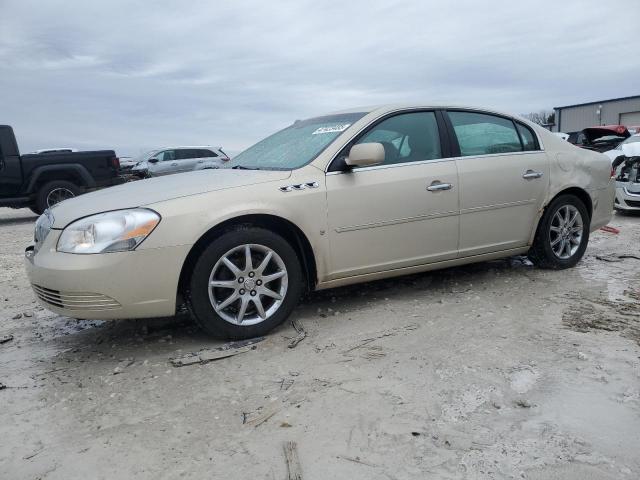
(186, 153)
(484, 134)
(167, 155)
(408, 137)
(206, 154)
(529, 142)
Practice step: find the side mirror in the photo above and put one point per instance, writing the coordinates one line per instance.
(365, 155)
(153, 160)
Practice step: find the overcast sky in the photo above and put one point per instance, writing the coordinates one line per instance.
(134, 75)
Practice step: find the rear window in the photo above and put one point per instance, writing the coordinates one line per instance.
(529, 142)
(484, 134)
(206, 153)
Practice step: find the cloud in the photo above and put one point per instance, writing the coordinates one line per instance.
(136, 75)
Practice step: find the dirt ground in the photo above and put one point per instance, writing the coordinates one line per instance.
(494, 370)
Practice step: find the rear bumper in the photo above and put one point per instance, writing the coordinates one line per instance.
(138, 284)
(602, 205)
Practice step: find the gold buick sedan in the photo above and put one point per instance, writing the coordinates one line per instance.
(328, 201)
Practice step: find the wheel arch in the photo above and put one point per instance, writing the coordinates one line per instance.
(287, 229)
(73, 173)
(578, 192)
(582, 194)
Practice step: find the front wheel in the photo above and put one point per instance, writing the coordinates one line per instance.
(562, 235)
(245, 283)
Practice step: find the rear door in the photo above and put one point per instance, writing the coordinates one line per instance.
(401, 213)
(187, 158)
(504, 177)
(205, 155)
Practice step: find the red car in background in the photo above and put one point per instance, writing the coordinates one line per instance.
(600, 139)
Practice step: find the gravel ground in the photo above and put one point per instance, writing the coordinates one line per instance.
(494, 370)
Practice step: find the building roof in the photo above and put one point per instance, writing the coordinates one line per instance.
(633, 97)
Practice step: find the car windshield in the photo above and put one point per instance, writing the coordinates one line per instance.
(145, 156)
(296, 145)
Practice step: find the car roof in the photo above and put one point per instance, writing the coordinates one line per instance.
(208, 147)
(382, 109)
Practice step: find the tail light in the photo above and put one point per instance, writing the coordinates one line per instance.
(115, 163)
(613, 171)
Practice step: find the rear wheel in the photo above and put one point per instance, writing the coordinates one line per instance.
(54, 192)
(562, 235)
(245, 283)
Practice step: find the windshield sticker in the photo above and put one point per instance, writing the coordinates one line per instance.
(341, 127)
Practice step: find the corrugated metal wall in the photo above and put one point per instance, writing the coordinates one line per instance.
(572, 119)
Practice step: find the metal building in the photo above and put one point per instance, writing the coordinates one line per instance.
(618, 111)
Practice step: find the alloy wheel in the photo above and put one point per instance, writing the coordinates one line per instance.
(248, 284)
(565, 232)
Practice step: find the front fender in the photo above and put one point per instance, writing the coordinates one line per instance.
(39, 172)
(186, 220)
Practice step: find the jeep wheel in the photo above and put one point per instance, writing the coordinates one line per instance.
(54, 192)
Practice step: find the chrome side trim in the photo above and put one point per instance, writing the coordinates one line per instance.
(418, 218)
(393, 165)
(423, 162)
(497, 206)
(434, 108)
(397, 221)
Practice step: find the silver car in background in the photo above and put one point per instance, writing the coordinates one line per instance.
(170, 160)
(626, 164)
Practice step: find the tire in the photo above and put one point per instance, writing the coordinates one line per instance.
(35, 210)
(222, 321)
(552, 233)
(46, 196)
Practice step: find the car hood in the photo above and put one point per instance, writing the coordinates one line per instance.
(153, 190)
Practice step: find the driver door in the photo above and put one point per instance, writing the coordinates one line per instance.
(401, 213)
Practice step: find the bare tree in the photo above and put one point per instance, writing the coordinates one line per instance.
(542, 117)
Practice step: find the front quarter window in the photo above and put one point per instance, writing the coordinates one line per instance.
(296, 145)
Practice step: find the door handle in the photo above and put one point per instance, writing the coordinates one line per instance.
(200, 161)
(175, 164)
(438, 186)
(529, 174)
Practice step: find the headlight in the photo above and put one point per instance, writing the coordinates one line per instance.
(116, 231)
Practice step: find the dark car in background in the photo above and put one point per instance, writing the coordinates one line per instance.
(41, 180)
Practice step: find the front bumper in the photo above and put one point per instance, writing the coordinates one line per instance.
(626, 199)
(138, 284)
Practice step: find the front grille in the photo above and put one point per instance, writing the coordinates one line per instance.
(75, 300)
(632, 203)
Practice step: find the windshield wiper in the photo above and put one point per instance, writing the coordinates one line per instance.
(242, 167)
